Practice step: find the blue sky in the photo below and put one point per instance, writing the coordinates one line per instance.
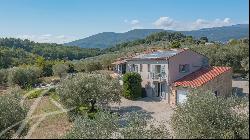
(65, 20)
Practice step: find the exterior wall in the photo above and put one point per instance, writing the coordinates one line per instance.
(194, 60)
(147, 81)
(221, 83)
(144, 73)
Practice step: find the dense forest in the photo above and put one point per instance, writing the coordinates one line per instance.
(14, 52)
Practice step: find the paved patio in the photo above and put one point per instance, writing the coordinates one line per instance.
(154, 109)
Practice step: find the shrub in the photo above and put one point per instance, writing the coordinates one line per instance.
(206, 116)
(245, 66)
(45, 65)
(24, 76)
(87, 66)
(175, 44)
(10, 112)
(3, 76)
(47, 69)
(132, 88)
(60, 70)
(34, 93)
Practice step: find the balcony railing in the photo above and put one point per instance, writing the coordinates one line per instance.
(158, 76)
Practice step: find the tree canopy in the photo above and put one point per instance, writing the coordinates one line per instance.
(205, 116)
(11, 112)
(87, 89)
(111, 126)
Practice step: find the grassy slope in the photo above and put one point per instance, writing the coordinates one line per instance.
(52, 126)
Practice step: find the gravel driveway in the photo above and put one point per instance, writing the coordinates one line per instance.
(157, 110)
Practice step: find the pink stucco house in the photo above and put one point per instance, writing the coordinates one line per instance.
(170, 74)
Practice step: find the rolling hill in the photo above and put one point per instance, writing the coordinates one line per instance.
(108, 39)
(221, 34)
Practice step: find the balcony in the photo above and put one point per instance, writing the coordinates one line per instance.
(158, 76)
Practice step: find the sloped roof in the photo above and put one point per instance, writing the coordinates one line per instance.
(124, 59)
(152, 55)
(200, 77)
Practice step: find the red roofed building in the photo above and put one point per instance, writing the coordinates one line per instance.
(215, 79)
(201, 77)
(170, 74)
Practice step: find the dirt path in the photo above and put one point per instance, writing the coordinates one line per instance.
(48, 126)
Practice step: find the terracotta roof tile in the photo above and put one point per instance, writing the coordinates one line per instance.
(200, 77)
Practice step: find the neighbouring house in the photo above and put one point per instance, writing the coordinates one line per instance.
(170, 74)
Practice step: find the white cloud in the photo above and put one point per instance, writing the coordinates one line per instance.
(46, 35)
(61, 37)
(169, 23)
(26, 36)
(135, 22)
(164, 22)
(227, 20)
(47, 38)
(201, 23)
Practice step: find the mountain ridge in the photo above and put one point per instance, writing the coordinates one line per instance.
(109, 39)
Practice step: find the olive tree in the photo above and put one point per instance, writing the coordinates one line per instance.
(60, 70)
(101, 127)
(10, 112)
(206, 116)
(24, 76)
(112, 126)
(89, 89)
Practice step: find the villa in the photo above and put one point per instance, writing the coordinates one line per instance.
(170, 74)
